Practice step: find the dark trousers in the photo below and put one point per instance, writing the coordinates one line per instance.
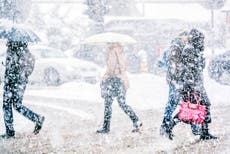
(173, 99)
(114, 88)
(13, 96)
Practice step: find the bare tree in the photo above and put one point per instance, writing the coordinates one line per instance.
(16, 10)
(96, 11)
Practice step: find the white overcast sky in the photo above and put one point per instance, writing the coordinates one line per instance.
(189, 12)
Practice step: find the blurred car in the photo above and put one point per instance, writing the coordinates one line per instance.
(219, 68)
(92, 53)
(53, 67)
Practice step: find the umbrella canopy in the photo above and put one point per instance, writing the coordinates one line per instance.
(110, 37)
(17, 33)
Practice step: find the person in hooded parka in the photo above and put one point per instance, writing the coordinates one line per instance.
(173, 74)
(192, 64)
(18, 66)
(114, 85)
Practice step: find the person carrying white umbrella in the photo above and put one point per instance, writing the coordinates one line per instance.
(115, 81)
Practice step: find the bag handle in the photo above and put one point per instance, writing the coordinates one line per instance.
(196, 98)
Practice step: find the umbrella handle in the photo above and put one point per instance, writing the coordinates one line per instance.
(3, 63)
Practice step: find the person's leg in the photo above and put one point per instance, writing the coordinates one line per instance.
(120, 94)
(169, 109)
(17, 104)
(129, 111)
(204, 100)
(7, 112)
(126, 108)
(205, 135)
(107, 115)
(25, 111)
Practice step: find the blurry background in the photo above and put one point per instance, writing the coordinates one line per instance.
(74, 110)
(64, 24)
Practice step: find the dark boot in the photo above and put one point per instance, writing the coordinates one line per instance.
(196, 128)
(105, 129)
(38, 125)
(7, 135)
(166, 129)
(137, 125)
(205, 135)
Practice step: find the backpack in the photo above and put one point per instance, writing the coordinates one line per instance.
(19, 60)
(28, 64)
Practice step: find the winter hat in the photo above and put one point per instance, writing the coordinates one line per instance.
(196, 38)
(194, 33)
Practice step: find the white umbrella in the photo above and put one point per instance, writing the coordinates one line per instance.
(110, 37)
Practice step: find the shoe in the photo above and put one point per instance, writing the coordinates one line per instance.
(103, 131)
(166, 131)
(137, 125)
(208, 137)
(7, 136)
(196, 129)
(38, 125)
(205, 133)
(106, 127)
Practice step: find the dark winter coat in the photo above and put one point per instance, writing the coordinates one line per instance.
(174, 57)
(19, 62)
(191, 65)
(192, 61)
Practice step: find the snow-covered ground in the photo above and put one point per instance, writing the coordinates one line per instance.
(75, 110)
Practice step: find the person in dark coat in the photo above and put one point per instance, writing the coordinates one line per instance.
(19, 65)
(192, 64)
(114, 85)
(176, 47)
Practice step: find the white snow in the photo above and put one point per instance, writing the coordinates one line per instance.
(74, 110)
(147, 91)
(81, 103)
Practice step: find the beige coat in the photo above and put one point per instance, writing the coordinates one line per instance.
(116, 64)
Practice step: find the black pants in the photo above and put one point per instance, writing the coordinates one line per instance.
(13, 96)
(114, 88)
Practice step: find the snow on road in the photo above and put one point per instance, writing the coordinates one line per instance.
(75, 110)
